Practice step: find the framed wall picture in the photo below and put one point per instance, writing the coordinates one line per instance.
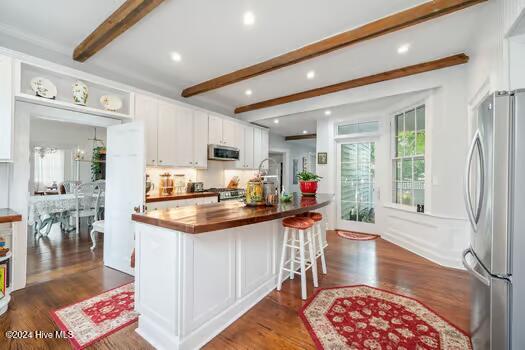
(322, 158)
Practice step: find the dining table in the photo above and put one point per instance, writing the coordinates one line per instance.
(46, 210)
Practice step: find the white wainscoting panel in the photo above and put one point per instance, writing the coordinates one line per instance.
(208, 279)
(255, 257)
(439, 239)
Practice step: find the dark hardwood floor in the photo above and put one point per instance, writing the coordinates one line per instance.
(271, 324)
(61, 254)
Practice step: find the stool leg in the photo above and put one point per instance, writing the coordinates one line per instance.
(303, 267)
(283, 257)
(321, 247)
(293, 253)
(313, 253)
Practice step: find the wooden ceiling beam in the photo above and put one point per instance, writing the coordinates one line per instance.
(371, 79)
(300, 137)
(121, 20)
(389, 24)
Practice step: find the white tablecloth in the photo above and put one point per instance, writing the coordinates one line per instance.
(40, 206)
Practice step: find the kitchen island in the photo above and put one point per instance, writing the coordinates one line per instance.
(199, 268)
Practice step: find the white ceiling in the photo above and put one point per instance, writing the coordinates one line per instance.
(212, 40)
(295, 124)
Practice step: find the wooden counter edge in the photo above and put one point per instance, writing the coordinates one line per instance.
(217, 226)
(10, 217)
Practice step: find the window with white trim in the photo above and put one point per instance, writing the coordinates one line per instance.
(408, 157)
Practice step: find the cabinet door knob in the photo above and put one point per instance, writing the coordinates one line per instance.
(160, 161)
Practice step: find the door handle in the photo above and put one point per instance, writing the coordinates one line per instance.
(485, 280)
(474, 216)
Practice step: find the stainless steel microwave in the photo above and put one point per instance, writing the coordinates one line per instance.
(219, 152)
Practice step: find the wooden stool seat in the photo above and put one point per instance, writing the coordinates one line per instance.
(315, 216)
(298, 223)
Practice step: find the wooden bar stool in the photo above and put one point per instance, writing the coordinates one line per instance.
(318, 237)
(293, 227)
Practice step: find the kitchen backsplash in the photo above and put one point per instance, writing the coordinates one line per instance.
(214, 176)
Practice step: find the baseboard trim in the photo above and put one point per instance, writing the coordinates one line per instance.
(444, 259)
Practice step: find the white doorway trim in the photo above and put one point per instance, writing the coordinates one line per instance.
(20, 173)
(286, 166)
(355, 225)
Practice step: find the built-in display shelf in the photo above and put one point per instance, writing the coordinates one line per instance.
(25, 72)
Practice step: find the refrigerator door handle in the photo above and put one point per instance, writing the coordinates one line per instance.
(485, 280)
(476, 144)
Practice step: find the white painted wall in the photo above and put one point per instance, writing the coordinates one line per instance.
(440, 234)
(293, 151)
(5, 169)
(67, 137)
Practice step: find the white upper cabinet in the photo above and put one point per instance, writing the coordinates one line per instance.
(221, 131)
(265, 147)
(260, 146)
(249, 147)
(6, 108)
(167, 134)
(257, 141)
(175, 135)
(183, 135)
(239, 143)
(228, 133)
(200, 139)
(215, 130)
(146, 110)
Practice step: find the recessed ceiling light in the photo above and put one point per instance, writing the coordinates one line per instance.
(310, 74)
(305, 131)
(248, 92)
(328, 112)
(248, 18)
(276, 121)
(403, 49)
(175, 56)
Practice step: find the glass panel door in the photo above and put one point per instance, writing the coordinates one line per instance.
(356, 182)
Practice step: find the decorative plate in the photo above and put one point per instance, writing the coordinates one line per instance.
(111, 103)
(80, 93)
(43, 88)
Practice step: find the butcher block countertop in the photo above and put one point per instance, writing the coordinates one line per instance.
(8, 215)
(224, 215)
(174, 197)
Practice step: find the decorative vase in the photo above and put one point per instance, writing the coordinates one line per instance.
(80, 93)
(308, 188)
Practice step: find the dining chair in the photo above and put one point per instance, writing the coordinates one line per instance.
(88, 202)
(70, 186)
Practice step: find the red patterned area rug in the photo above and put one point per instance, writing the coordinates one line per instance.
(356, 236)
(97, 317)
(363, 317)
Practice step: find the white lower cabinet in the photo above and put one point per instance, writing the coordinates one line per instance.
(213, 277)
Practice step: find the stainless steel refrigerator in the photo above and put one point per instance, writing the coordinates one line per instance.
(495, 203)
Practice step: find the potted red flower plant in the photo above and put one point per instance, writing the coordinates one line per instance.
(308, 182)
